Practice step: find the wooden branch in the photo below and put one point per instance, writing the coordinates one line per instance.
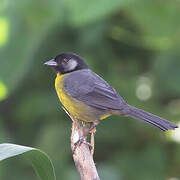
(81, 153)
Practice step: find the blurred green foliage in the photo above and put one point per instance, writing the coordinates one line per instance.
(133, 44)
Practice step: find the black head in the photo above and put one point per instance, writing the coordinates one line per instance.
(67, 62)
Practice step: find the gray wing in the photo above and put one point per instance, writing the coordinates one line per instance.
(88, 87)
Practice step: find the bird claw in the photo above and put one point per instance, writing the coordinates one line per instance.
(81, 140)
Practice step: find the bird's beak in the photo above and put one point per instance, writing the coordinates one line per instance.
(51, 62)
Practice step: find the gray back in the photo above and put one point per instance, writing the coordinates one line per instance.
(91, 89)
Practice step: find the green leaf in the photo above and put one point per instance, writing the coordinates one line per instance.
(40, 161)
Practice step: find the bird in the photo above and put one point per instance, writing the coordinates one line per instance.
(89, 98)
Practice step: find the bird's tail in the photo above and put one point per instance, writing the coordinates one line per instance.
(152, 119)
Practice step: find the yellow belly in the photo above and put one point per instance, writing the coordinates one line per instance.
(76, 108)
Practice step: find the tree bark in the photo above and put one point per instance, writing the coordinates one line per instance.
(81, 154)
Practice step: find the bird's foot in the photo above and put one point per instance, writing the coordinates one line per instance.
(82, 139)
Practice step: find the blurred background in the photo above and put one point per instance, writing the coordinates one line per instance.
(132, 44)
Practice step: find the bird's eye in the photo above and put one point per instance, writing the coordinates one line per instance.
(64, 61)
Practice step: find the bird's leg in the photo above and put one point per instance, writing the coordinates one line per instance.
(92, 142)
(92, 130)
(86, 130)
(81, 140)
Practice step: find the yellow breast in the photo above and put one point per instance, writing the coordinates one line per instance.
(63, 97)
(74, 107)
(59, 85)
